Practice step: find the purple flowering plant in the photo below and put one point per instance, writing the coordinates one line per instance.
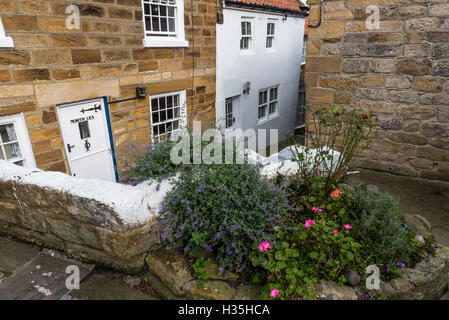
(223, 209)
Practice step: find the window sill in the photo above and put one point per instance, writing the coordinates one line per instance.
(6, 43)
(262, 121)
(271, 50)
(247, 52)
(164, 43)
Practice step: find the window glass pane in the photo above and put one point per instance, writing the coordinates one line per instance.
(8, 133)
(170, 102)
(155, 130)
(229, 122)
(155, 23)
(176, 112)
(171, 11)
(84, 129)
(244, 28)
(262, 112)
(171, 25)
(2, 155)
(170, 114)
(164, 26)
(162, 115)
(154, 104)
(228, 106)
(162, 103)
(269, 42)
(272, 107)
(175, 125)
(19, 163)
(262, 97)
(155, 117)
(161, 128)
(148, 23)
(163, 11)
(154, 10)
(12, 150)
(169, 127)
(146, 8)
(270, 29)
(248, 28)
(176, 100)
(273, 94)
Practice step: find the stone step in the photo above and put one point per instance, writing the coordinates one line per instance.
(41, 278)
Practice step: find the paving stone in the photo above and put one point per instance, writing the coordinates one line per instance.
(42, 278)
(102, 287)
(15, 254)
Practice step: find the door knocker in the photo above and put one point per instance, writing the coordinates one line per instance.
(87, 145)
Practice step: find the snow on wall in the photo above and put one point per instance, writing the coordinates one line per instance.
(283, 163)
(133, 205)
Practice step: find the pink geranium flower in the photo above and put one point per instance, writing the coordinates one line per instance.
(318, 172)
(264, 246)
(274, 293)
(335, 231)
(308, 223)
(347, 226)
(315, 209)
(335, 193)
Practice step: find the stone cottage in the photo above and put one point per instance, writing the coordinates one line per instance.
(80, 81)
(397, 68)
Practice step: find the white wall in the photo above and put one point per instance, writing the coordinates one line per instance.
(260, 66)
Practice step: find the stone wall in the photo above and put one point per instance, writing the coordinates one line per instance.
(51, 64)
(83, 218)
(400, 72)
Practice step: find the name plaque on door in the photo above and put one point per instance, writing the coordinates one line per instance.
(75, 121)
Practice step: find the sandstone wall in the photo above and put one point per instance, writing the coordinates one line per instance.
(51, 64)
(400, 72)
(80, 217)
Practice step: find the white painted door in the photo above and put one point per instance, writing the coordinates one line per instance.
(85, 134)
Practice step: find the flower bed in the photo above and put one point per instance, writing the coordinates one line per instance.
(290, 233)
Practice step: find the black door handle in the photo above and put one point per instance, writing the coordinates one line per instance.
(69, 147)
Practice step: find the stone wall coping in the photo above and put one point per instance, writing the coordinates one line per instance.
(134, 205)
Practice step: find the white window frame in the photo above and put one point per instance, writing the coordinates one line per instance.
(182, 118)
(18, 121)
(304, 51)
(5, 42)
(270, 36)
(250, 36)
(266, 104)
(229, 115)
(178, 37)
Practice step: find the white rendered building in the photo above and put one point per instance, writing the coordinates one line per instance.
(259, 50)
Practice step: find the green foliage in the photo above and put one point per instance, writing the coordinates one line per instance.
(301, 256)
(382, 230)
(153, 163)
(223, 209)
(332, 129)
(198, 271)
